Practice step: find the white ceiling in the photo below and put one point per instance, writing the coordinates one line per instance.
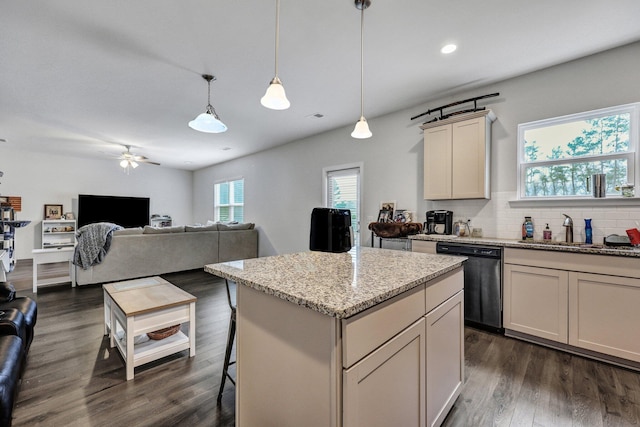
(83, 78)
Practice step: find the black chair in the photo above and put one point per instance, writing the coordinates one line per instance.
(230, 338)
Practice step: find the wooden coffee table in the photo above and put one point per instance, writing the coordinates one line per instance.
(135, 307)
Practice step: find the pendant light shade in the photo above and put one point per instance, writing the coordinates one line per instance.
(208, 121)
(275, 98)
(361, 131)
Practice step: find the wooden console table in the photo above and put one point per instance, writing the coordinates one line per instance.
(50, 256)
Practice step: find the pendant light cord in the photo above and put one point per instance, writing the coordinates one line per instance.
(361, 61)
(277, 34)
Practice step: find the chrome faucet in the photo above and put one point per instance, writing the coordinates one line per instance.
(568, 224)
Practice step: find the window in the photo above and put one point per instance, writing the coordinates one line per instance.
(228, 201)
(343, 192)
(558, 156)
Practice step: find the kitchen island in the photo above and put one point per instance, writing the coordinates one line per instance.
(370, 337)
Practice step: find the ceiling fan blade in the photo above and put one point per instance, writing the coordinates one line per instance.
(139, 158)
(149, 162)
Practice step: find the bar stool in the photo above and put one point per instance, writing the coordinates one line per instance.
(230, 338)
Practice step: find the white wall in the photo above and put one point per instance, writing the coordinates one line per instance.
(47, 179)
(282, 185)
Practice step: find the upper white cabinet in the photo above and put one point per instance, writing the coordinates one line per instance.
(58, 233)
(457, 154)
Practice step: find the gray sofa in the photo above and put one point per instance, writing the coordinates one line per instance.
(153, 251)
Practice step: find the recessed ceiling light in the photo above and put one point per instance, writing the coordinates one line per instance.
(449, 48)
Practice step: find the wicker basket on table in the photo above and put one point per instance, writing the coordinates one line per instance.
(163, 333)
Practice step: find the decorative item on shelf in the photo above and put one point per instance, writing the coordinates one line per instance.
(208, 121)
(384, 215)
(399, 215)
(52, 211)
(390, 208)
(275, 98)
(69, 215)
(627, 190)
(361, 131)
(163, 333)
(588, 231)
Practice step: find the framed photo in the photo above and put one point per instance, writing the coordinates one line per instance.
(384, 215)
(388, 206)
(400, 216)
(69, 215)
(52, 211)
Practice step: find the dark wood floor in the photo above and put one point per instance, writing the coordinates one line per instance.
(73, 378)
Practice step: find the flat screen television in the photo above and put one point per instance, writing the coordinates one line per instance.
(124, 211)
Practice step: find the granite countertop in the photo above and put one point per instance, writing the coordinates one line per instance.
(553, 245)
(337, 284)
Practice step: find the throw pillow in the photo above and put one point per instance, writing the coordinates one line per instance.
(163, 230)
(128, 231)
(201, 227)
(227, 227)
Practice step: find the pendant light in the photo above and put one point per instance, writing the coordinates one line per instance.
(208, 121)
(275, 98)
(361, 131)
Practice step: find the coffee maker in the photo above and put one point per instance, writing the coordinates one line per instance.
(439, 222)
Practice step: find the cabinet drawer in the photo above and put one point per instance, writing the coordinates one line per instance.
(443, 288)
(366, 331)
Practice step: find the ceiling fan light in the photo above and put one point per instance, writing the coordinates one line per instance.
(361, 131)
(207, 122)
(275, 98)
(133, 164)
(124, 163)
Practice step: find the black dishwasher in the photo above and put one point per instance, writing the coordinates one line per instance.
(482, 284)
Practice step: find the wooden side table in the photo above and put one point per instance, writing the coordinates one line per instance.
(141, 309)
(49, 256)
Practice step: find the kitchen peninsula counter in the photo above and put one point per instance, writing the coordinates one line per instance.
(318, 331)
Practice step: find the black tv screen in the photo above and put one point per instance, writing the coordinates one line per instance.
(125, 211)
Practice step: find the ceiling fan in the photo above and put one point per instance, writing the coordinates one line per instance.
(131, 160)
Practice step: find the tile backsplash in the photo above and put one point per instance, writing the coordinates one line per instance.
(498, 219)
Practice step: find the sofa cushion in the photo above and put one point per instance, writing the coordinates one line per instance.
(213, 227)
(11, 354)
(163, 230)
(227, 227)
(7, 292)
(128, 231)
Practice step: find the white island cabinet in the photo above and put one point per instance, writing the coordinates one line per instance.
(373, 337)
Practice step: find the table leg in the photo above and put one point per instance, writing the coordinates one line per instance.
(192, 329)
(72, 272)
(113, 328)
(130, 349)
(35, 274)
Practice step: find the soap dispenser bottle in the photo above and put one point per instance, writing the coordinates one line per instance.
(588, 231)
(546, 233)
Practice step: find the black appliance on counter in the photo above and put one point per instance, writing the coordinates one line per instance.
(482, 284)
(439, 222)
(331, 230)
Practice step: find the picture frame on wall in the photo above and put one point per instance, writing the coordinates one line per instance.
(52, 211)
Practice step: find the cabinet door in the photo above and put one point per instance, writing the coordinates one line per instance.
(604, 314)
(445, 357)
(536, 301)
(437, 163)
(469, 159)
(423, 246)
(387, 388)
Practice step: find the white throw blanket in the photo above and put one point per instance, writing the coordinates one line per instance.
(94, 241)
